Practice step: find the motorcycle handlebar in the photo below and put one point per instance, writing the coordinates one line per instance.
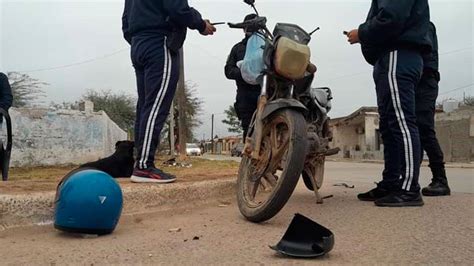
(255, 24)
(236, 25)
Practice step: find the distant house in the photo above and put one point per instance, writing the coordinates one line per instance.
(222, 145)
(357, 135)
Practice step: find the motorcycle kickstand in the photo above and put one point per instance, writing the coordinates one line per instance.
(319, 198)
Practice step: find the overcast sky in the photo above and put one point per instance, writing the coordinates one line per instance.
(36, 35)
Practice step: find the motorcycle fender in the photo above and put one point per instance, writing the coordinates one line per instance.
(279, 104)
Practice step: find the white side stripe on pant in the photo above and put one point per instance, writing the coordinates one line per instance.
(155, 109)
(409, 175)
(408, 146)
(162, 96)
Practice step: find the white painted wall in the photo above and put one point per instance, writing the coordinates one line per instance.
(44, 137)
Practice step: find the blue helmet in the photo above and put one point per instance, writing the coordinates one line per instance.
(88, 201)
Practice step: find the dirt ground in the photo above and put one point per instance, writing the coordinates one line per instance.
(38, 179)
(439, 233)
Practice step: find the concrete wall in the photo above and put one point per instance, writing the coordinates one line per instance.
(346, 138)
(455, 132)
(371, 127)
(43, 137)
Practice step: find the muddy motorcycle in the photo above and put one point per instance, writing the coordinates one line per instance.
(289, 133)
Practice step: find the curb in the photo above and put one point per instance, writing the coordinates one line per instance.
(38, 208)
(425, 164)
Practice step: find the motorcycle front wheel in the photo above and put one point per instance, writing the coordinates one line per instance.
(265, 184)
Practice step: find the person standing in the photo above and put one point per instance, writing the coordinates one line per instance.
(247, 94)
(426, 95)
(6, 97)
(156, 31)
(393, 39)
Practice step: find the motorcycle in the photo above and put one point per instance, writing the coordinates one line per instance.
(289, 133)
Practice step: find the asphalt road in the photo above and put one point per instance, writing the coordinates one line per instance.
(460, 179)
(441, 232)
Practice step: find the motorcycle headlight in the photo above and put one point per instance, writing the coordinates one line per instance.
(321, 97)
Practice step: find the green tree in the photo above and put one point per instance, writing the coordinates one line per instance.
(193, 108)
(232, 120)
(25, 89)
(120, 107)
(469, 101)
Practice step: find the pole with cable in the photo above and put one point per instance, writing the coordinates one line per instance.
(171, 131)
(212, 133)
(181, 99)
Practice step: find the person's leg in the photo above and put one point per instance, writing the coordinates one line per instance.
(140, 75)
(160, 76)
(162, 107)
(140, 81)
(246, 119)
(403, 73)
(427, 93)
(392, 171)
(248, 105)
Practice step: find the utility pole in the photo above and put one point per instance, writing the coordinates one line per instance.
(181, 96)
(212, 132)
(171, 132)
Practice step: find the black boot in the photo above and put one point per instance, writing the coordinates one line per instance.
(439, 183)
(436, 188)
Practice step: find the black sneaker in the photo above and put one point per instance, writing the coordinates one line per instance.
(436, 188)
(373, 194)
(151, 175)
(401, 199)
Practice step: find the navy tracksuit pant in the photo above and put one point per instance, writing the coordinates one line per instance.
(157, 73)
(396, 76)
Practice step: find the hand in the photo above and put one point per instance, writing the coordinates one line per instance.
(353, 36)
(209, 30)
(239, 63)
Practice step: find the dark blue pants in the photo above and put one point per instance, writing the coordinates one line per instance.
(396, 76)
(157, 73)
(426, 95)
(245, 106)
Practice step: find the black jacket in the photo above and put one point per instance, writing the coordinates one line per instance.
(431, 60)
(233, 72)
(395, 24)
(6, 97)
(158, 16)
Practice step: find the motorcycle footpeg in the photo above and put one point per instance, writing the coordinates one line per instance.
(332, 151)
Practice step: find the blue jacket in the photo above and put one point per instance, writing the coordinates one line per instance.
(6, 97)
(158, 16)
(431, 60)
(395, 24)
